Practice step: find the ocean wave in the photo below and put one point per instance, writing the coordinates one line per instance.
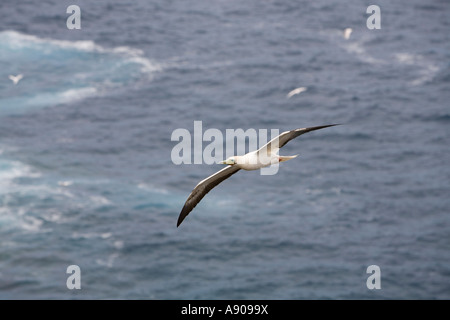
(426, 70)
(10, 170)
(61, 71)
(20, 41)
(9, 213)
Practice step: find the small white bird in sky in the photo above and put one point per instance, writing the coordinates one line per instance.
(15, 79)
(296, 91)
(263, 157)
(347, 33)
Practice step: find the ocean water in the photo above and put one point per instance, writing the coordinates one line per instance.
(87, 179)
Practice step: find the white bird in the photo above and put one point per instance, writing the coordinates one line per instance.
(347, 33)
(263, 157)
(15, 79)
(296, 91)
(65, 183)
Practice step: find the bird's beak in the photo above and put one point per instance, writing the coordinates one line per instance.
(222, 162)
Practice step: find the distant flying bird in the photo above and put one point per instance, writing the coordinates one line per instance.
(296, 91)
(15, 79)
(263, 157)
(347, 33)
(65, 183)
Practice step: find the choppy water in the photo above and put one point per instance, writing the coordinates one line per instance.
(86, 176)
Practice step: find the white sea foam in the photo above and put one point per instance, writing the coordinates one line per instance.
(76, 94)
(357, 48)
(426, 70)
(109, 262)
(12, 188)
(10, 170)
(19, 40)
(99, 200)
(44, 99)
(355, 45)
(118, 244)
(77, 235)
(64, 77)
(151, 188)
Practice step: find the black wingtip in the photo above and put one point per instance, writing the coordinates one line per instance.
(328, 125)
(183, 214)
(304, 130)
(180, 220)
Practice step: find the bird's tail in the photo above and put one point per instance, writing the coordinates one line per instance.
(286, 158)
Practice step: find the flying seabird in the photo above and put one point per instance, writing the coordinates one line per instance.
(15, 79)
(296, 91)
(347, 33)
(263, 157)
(65, 183)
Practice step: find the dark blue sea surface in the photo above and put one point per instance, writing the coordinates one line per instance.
(87, 179)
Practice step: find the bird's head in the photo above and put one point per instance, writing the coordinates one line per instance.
(230, 161)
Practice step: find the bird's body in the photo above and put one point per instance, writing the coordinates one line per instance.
(263, 157)
(296, 91)
(251, 160)
(15, 79)
(347, 33)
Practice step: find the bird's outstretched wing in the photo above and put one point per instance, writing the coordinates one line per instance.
(15, 79)
(276, 143)
(203, 187)
(296, 91)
